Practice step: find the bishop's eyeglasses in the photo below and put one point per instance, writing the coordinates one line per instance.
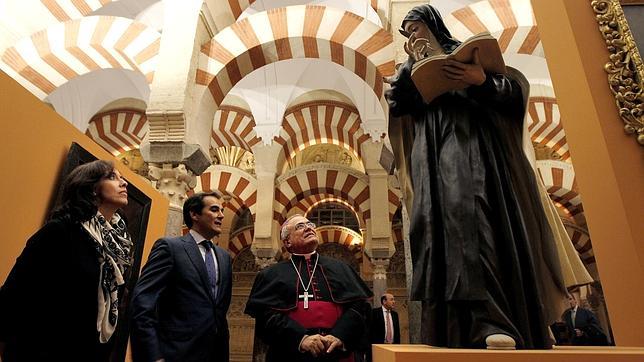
(302, 225)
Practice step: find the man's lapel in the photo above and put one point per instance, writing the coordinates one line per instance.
(194, 254)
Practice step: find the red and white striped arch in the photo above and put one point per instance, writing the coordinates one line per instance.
(559, 179)
(381, 7)
(233, 126)
(341, 235)
(314, 200)
(295, 32)
(241, 239)
(308, 203)
(64, 10)
(51, 57)
(330, 181)
(298, 191)
(118, 131)
(581, 240)
(544, 125)
(321, 122)
(241, 186)
(230, 10)
(397, 234)
(233, 202)
(512, 22)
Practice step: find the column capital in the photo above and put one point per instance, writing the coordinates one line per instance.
(265, 252)
(191, 155)
(380, 266)
(172, 181)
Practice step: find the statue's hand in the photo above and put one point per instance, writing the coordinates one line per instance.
(417, 48)
(472, 74)
(408, 50)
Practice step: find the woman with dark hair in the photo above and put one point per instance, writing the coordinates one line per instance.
(485, 264)
(60, 300)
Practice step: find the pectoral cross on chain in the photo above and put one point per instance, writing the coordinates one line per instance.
(305, 296)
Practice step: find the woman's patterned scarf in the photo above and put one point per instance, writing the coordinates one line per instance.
(113, 246)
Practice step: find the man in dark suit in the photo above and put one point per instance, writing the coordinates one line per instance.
(180, 302)
(582, 325)
(385, 327)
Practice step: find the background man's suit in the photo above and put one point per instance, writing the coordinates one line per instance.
(175, 316)
(378, 326)
(585, 321)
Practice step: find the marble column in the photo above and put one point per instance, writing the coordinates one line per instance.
(173, 182)
(266, 244)
(177, 133)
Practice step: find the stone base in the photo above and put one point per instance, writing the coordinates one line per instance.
(424, 353)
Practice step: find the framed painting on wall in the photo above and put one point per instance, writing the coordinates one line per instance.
(621, 25)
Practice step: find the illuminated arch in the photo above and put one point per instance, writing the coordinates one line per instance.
(512, 22)
(319, 122)
(280, 34)
(64, 51)
(118, 131)
(241, 186)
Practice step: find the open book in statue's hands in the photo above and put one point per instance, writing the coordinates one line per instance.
(430, 76)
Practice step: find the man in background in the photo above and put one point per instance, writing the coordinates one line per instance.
(582, 325)
(385, 327)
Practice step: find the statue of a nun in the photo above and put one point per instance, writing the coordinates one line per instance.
(485, 264)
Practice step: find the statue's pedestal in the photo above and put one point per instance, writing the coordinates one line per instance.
(423, 353)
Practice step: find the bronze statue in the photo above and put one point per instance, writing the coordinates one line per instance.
(483, 255)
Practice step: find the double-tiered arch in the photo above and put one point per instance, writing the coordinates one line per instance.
(118, 131)
(315, 32)
(544, 125)
(559, 179)
(234, 126)
(510, 21)
(320, 122)
(51, 57)
(231, 181)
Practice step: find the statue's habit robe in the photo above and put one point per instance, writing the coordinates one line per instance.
(337, 307)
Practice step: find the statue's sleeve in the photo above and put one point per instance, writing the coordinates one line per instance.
(498, 90)
(403, 97)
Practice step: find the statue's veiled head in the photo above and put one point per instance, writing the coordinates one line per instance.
(428, 15)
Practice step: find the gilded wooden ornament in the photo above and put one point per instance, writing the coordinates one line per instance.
(625, 68)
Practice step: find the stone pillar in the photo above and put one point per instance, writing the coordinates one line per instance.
(266, 244)
(224, 239)
(380, 227)
(175, 135)
(173, 182)
(379, 245)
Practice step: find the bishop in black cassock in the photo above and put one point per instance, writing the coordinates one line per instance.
(310, 307)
